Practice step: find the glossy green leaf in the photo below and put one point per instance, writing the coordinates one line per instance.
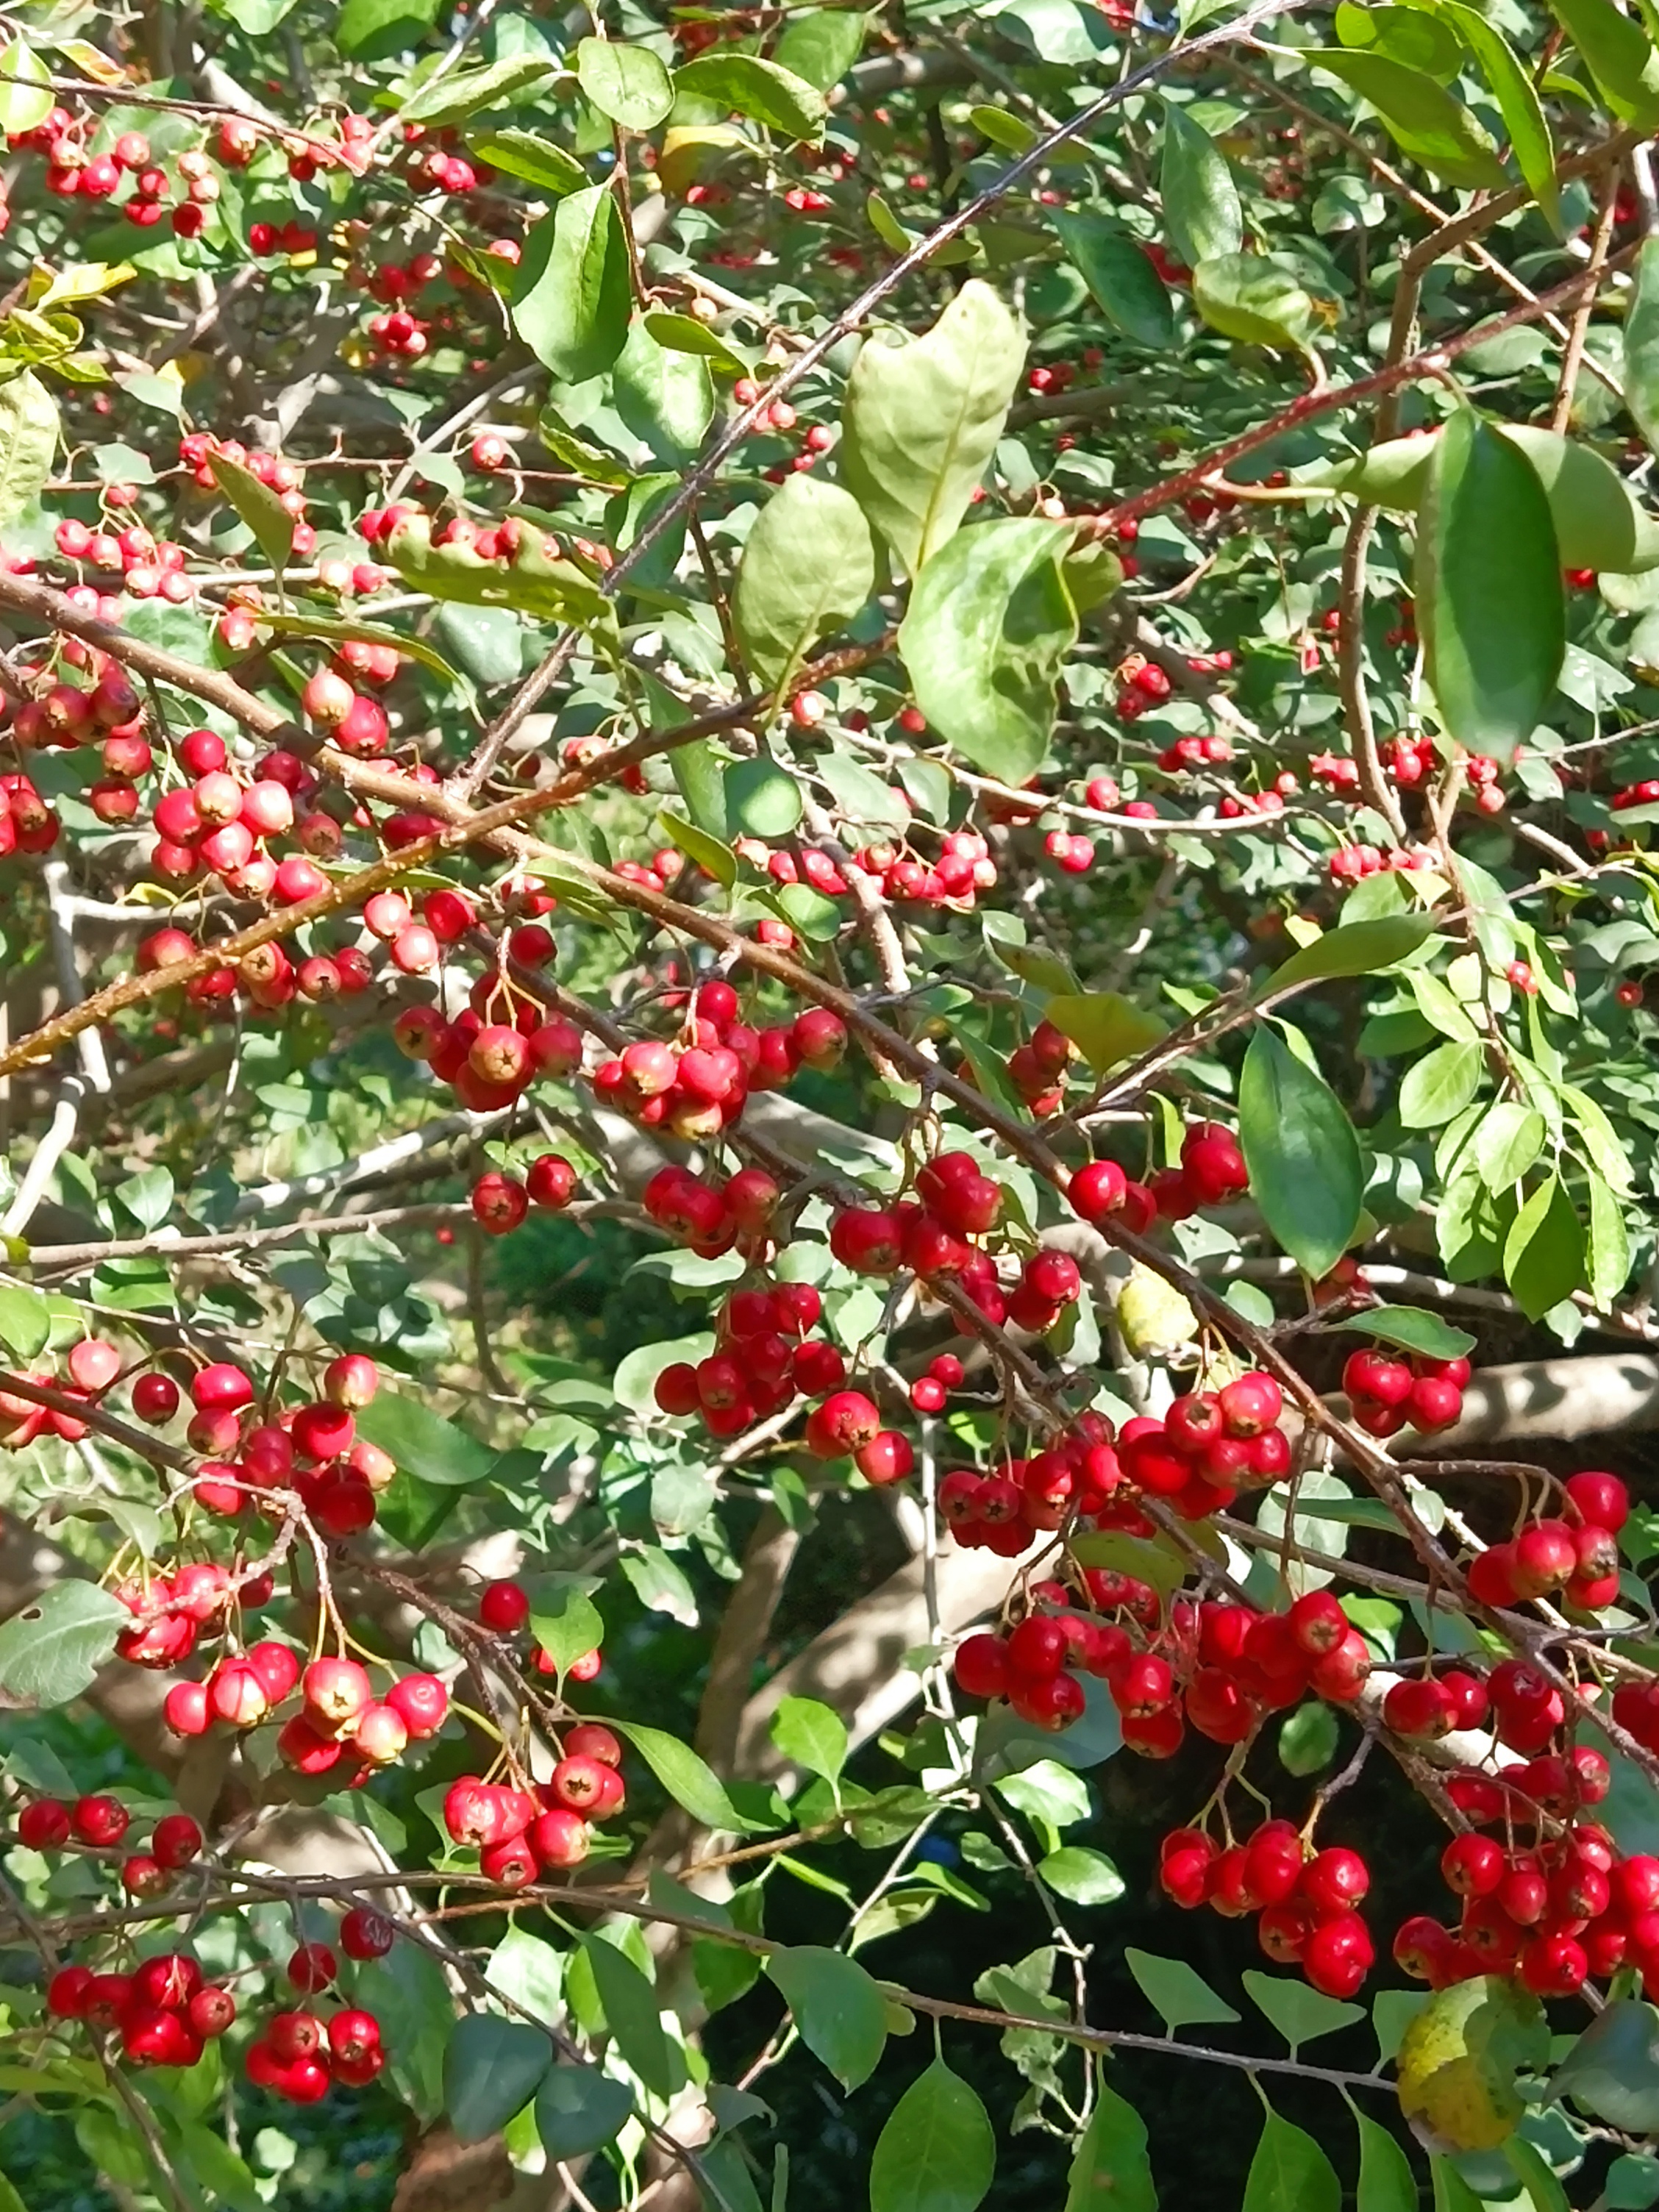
(1301, 2014)
(688, 1778)
(667, 398)
(808, 566)
(1608, 1250)
(28, 441)
(1106, 1028)
(1387, 2183)
(372, 30)
(536, 161)
(1508, 1143)
(1083, 1875)
(1441, 1084)
(937, 2152)
(1619, 55)
(491, 2070)
(712, 856)
(50, 1649)
(1611, 2072)
(1426, 121)
(1307, 1739)
(1488, 586)
(762, 797)
(573, 300)
(1641, 361)
(986, 633)
(922, 421)
(1301, 1153)
(1544, 1252)
(1115, 268)
(860, 794)
(1257, 298)
(452, 98)
(1289, 2172)
(1412, 1328)
(685, 334)
(1176, 1991)
(631, 2013)
(760, 90)
(1406, 35)
(580, 2110)
(820, 45)
(626, 83)
(422, 1443)
(838, 2009)
(1355, 948)
(1202, 217)
(1110, 2170)
(1518, 103)
(25, 1321)
(258, 507)
(568, 1625)
(26, 97)
(812, 1735)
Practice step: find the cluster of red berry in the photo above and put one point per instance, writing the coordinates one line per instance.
(101, 1824)
(1387, 1395)
(521, 1831)
(1306, 1901)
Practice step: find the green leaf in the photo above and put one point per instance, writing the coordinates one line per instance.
(1418, 40)
(568, 1625)
(580, 2110)
(1124, 283)
(862, 796)
(260, 507)
(1202, 216)
(1544, 1252)
(27, 98)
(1441, 1084)
(838, 2009)
(811, 1734)
(1307, 1739)
(1609, 1252)
(1632, 2183)
(536, 161)
(1175, 1991)
(1289, 2172)
(711, 854)
(1301, 1153)
(921, 422)
(685, 334)
(822, 46)
(453, 99)
(1106, 1028)
(1386, 2181)
(1255, 298)
(1355, 948)
(1536, 2175)
(573, 300)
(51, 1650)
(1613, 2069)
(987, 635)
(690, 1780)
(635, 1379)
(665, 397)
(762, 797)
(1507, 1143)
(1424, 120)
(1619, 56)
(1488, 587)
(938, 2152)
(28, 440)
(1518, 103)
(374, 30)
(1412, 1328)
(631, 2013)
(628, 84)
(343, 630)
(491, 2070)
(1110, 2170)
(1641, 362)
(760, 90)
(423, 1443)
(1085, 1876)
(808, 566)
(1300, 2014)
(25, 1321)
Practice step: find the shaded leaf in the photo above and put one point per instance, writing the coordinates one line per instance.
(1289, 2172)
(579, 2111)
(491, 2069)
(1202, 216)
(1110, 2170)
(937, 2152)
(1123, 282)
(51, 1650)
(808, 566)
(1301, 1153)
(1176, 1991)
(838, 2009)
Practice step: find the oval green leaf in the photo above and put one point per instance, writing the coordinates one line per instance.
(1301, 1153)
